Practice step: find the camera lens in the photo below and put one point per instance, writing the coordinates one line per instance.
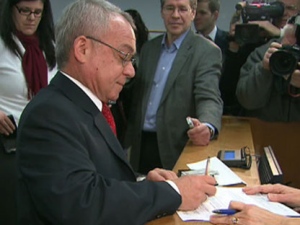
(282, 63)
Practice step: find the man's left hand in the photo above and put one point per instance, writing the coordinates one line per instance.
(200, 134)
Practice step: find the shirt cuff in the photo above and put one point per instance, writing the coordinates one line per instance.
(173, 185)
(281, 32)
(211, 129)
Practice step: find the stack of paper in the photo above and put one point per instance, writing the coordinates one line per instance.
(222, 173)
(222, 199)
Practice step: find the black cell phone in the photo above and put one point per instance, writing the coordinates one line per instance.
(9, 142)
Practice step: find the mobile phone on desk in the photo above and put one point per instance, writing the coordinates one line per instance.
(190, 122)
(9, 142)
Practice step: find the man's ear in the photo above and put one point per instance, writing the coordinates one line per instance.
(216, 15)
(81, 49)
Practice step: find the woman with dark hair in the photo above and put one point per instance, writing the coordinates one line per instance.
(27, 60)
(121, 109)
(141, 32)
(27, 63)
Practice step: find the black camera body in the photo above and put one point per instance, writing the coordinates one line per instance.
(285, 60)
(249, 33)
(262, 11)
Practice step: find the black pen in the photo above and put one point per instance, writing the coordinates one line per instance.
(225, 211)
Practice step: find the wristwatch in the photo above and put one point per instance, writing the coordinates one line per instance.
(211, 131)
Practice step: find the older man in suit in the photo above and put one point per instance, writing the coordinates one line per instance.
(178, 77)
(205, 23)
(72, 169)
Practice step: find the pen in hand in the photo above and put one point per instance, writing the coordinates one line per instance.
(225, 211)
(207, 166)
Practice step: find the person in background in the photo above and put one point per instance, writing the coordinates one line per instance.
(177, 77)
(141, 31)
(27, 63)
(27, 60)
(237, 53)
(254, 215)
(207, 14)
(267, 93)
(72, 169)
(122, 106)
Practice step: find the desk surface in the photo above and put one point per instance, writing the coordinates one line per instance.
(235, 133)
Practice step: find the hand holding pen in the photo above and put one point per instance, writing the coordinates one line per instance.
(246, 214)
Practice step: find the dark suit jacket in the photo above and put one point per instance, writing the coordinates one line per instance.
(191, 90)
(221, 40)
(72, 170)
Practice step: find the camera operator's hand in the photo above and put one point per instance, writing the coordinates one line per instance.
(236, 19)
(295, 78)
(273, 48)
(268, 27)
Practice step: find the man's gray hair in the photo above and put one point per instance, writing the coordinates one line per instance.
(83, 17)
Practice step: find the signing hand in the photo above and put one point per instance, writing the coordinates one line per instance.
(161, 175)
(194, 190)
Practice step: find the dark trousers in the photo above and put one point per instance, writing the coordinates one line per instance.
(8, 181)
(150, 158)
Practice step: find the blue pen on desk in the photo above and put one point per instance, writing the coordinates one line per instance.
(225, 211)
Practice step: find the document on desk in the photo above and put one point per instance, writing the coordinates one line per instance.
(222, 173)
(226, 194)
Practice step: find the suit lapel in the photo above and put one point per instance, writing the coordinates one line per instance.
(80, 99)
(178, 63)
(109, 136)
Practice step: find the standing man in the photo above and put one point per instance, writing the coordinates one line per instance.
(177, 77)
(72, 169)
(205, 22)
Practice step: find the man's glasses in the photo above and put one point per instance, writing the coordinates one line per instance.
(126, 57)
(27, 12)
(169, 10)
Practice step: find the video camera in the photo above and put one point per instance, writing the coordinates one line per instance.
(285, 60)
(248, 33)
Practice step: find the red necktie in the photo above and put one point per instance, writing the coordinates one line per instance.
(109, 117)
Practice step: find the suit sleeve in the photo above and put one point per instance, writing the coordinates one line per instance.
(58, 173)
(209, 105)
(255, 83)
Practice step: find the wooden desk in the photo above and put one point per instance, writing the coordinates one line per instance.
(235, 133)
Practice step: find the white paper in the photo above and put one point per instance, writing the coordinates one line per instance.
(222, 199)
(222, 173)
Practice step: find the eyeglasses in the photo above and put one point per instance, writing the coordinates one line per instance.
(126, 57)
(169, 10)
(27, 12)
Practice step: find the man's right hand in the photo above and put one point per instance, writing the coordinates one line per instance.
(6, 126)
(268, 27)
(194, 190)
(273, 48)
